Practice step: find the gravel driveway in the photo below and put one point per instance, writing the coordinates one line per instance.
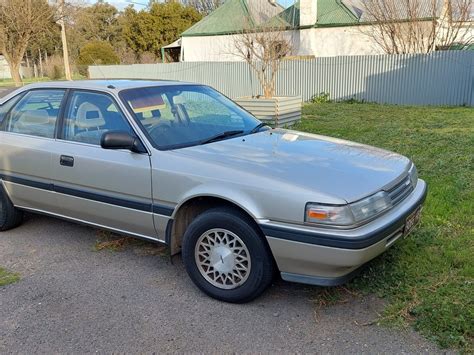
(72, 299)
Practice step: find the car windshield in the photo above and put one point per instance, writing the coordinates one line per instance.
(178, 116)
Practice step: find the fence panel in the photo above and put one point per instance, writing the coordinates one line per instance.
(440, 78)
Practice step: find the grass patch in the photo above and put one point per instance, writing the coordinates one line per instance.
(11, 83)
(427, 278)
(7, 277)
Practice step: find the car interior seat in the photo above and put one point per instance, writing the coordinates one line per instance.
(35, 122)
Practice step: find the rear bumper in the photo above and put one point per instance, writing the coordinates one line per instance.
(329, 257)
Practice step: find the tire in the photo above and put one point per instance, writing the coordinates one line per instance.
(10, 217)
(226, 256)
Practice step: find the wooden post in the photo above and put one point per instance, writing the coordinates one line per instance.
(67, 69)
(40, 63)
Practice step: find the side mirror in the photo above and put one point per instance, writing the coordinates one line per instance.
(121, 140)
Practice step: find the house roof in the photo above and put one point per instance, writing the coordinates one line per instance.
(330, 13)
(351, 12)
(234, 16)
(237, 15)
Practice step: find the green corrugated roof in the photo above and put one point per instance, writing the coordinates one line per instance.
(290, 17)
(330, 13)
(460, 47)
(333, 13)
(233, 16)
(230, 17)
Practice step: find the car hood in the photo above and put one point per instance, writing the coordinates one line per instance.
(335, 167)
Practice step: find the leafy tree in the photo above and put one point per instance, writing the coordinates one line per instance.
(96, 52)
(47, 42)
(162, 23)
(97, 22)
(22, 22)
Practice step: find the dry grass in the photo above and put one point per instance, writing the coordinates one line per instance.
(116, 243)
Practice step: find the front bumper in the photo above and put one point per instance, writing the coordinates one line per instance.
(329, 257)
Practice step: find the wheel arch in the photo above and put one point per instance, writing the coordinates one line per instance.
(195, 205)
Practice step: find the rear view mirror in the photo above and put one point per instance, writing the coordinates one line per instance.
(121, 140)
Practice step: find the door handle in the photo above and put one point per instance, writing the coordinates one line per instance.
(66, 160)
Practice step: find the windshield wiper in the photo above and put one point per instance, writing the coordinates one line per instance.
(258, 127)
(221, 136)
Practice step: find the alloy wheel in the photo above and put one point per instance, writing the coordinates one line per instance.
(222, 258)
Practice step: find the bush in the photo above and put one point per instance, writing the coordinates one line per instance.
(54, 67)
(96, 53)
(148, 58)
(353, 100)
(321, 98)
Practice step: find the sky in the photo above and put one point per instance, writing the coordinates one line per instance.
(120, 4)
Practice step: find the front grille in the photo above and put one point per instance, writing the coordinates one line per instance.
(400, 191)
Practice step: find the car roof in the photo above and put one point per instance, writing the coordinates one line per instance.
(106, 85)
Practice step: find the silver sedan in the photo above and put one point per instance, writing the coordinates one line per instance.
(181, 164)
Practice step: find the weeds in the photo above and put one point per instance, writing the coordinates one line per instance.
(7, 277)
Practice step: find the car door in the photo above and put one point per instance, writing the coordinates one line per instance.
(109, 188)
(27, 134)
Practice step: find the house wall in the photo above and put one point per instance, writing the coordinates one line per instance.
(336, 41)
(209, 49)
(318, 42)
(4, 69)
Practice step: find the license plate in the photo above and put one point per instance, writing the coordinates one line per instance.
(411, 221)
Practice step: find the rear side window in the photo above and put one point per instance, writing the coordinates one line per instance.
(6, 107)
(36, 113)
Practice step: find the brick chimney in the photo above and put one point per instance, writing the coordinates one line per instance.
(308, 12)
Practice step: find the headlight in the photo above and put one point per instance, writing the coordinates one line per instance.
(370, 206)
(348, 215)
(413, 173)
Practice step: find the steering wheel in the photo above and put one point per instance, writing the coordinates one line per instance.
(179, 111)
(161, 129)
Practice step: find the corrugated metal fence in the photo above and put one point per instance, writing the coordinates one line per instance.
(441, 78)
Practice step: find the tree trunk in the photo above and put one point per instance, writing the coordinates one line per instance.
(15, 72)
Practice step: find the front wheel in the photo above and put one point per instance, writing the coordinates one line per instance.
(226, 257)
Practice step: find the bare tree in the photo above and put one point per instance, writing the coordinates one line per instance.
(417, 26)
(264, 49)
(203, 6)
(21, 21)
(456, 24)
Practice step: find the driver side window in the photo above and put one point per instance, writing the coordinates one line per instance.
(89, 115)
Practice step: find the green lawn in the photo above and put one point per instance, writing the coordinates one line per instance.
(427, 278)
(7, 277)
(11, 83)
